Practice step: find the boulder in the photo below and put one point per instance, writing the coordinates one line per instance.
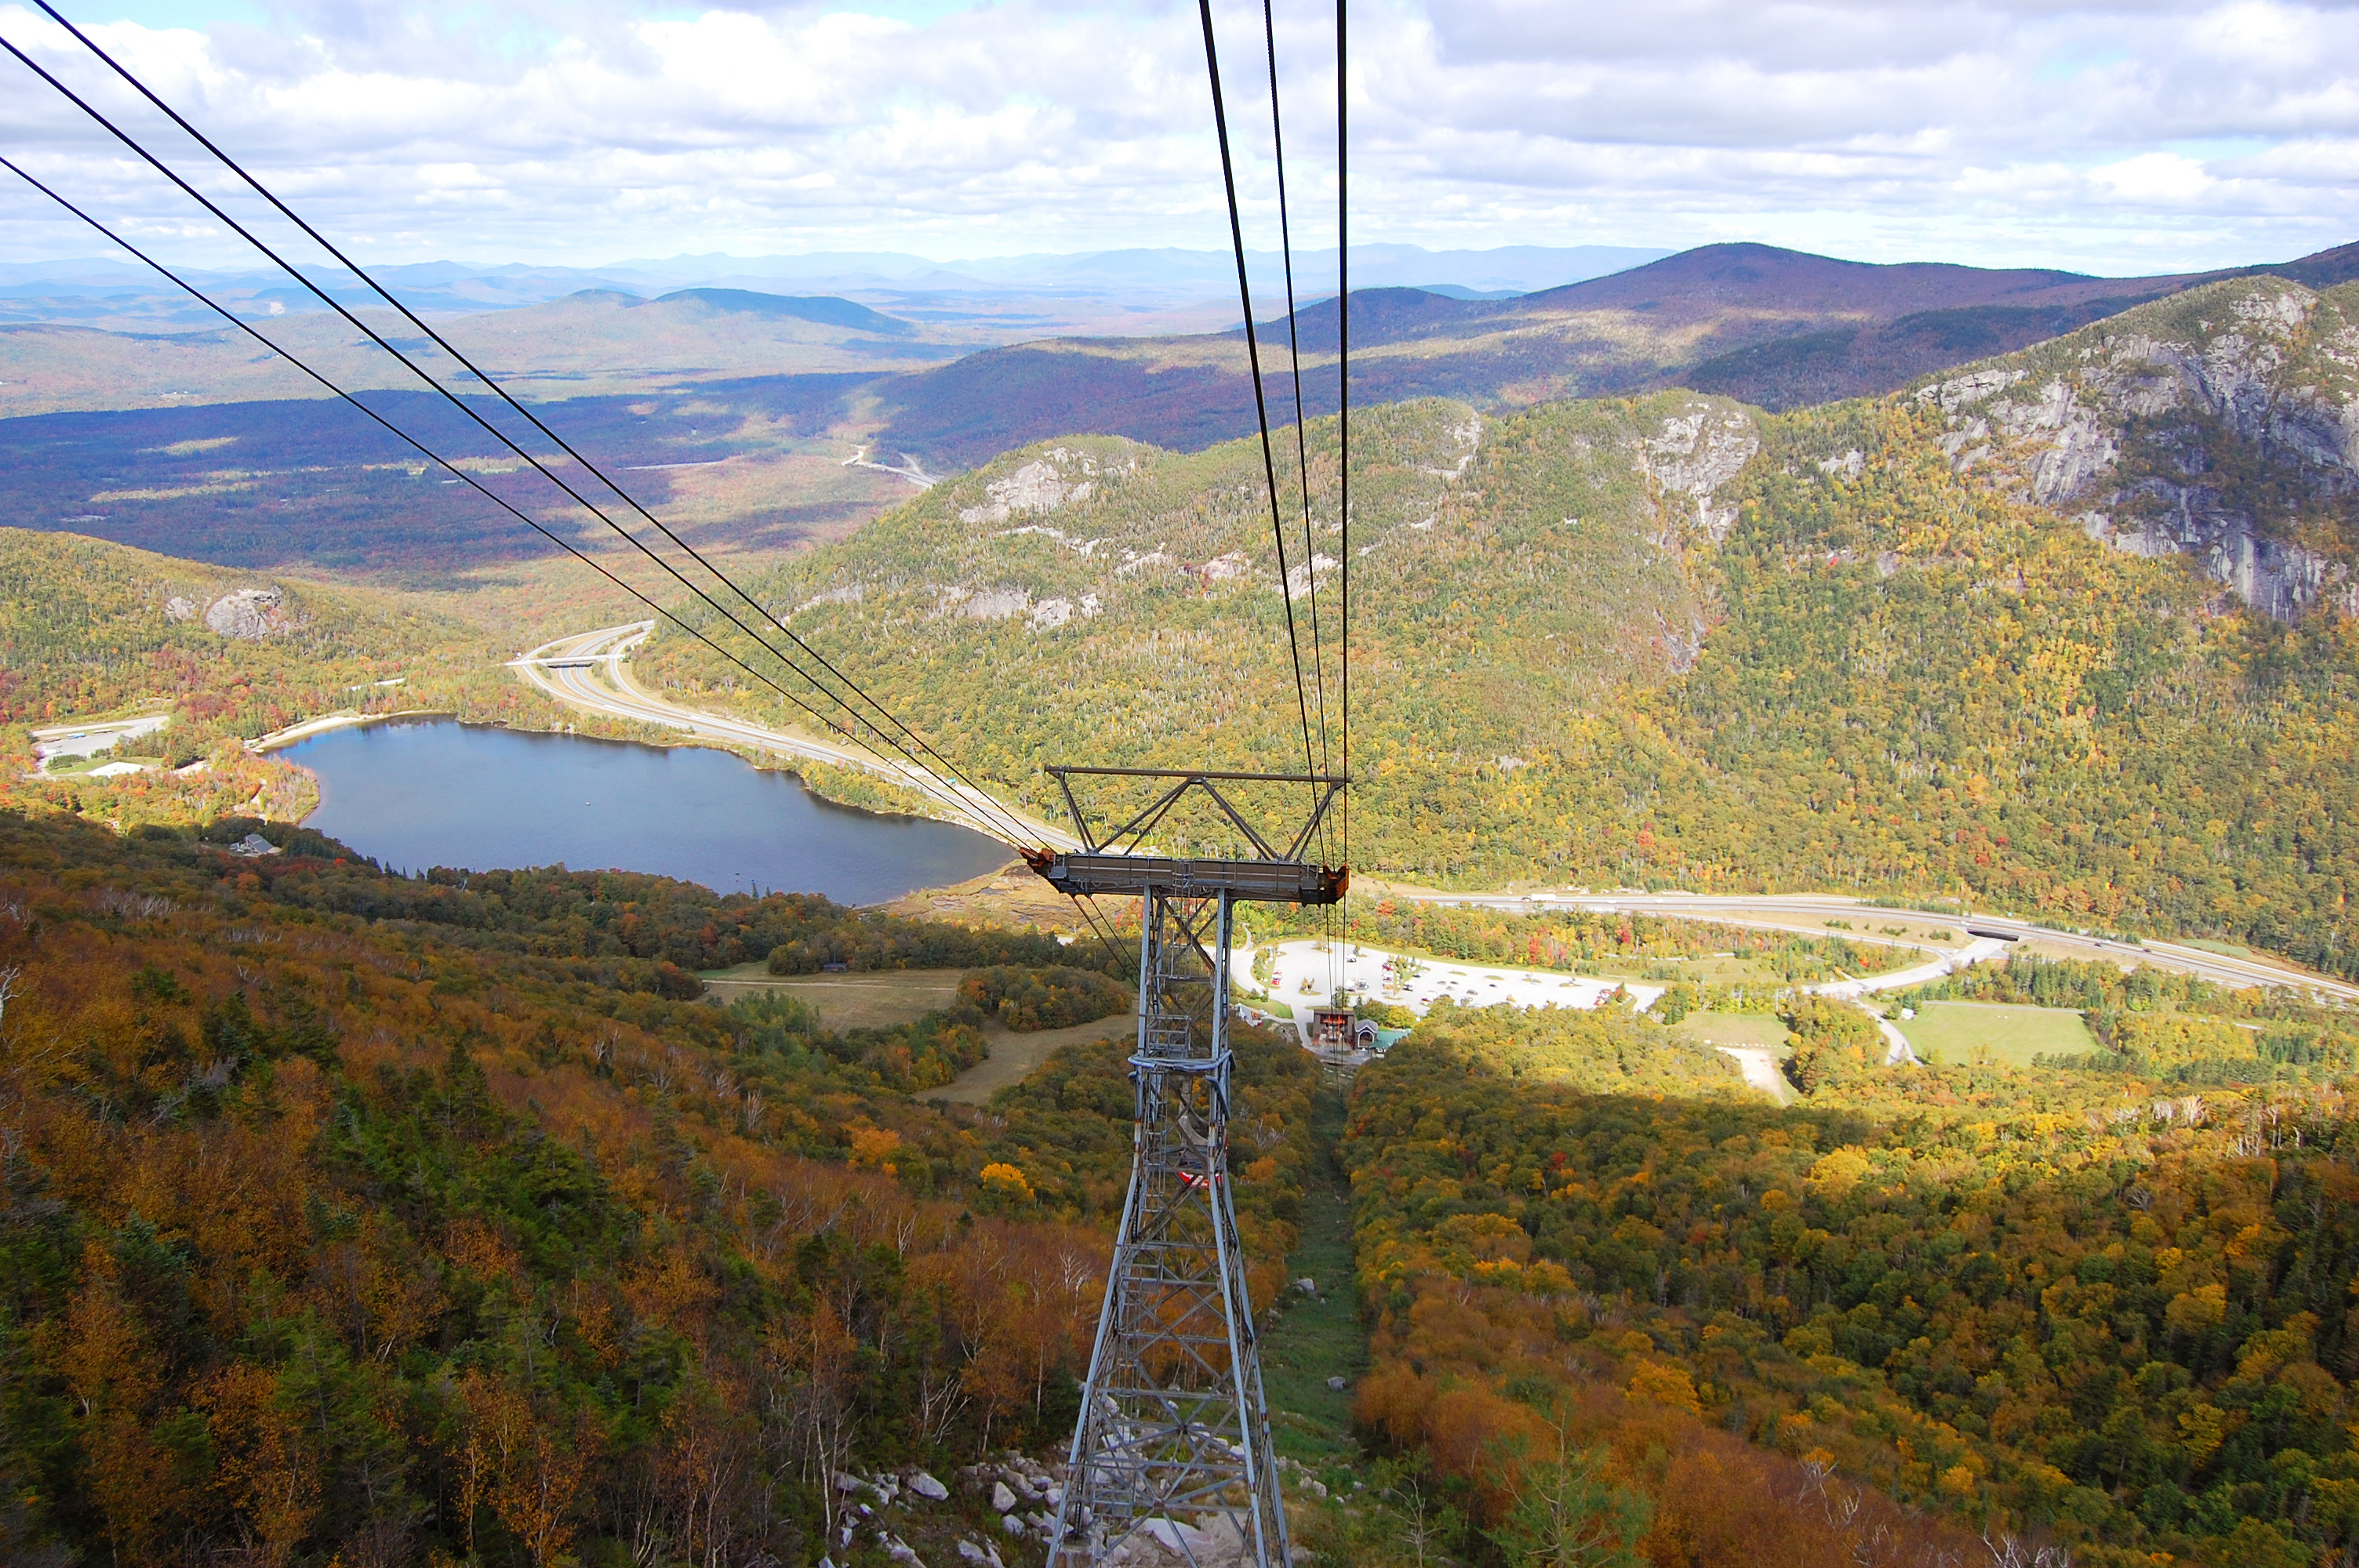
(1168, 1543)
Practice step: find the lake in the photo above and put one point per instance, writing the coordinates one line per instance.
(414, 795)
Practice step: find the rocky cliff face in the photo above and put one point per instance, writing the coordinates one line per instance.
(2223, 423)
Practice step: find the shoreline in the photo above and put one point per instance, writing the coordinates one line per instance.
(294, 734)
(329, 724)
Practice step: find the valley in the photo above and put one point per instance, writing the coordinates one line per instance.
(1862, 877)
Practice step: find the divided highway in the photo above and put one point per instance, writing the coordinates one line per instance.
(1746, 909)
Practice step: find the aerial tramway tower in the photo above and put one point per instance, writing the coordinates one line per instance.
(1174, 1425)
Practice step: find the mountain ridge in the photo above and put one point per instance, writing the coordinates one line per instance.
(1776, 328)
(1670, 640)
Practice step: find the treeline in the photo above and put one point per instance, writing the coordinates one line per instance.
(362, 1219)
(2174, 1029)
(553, 912)
(1579, 939)
(2015, 1298)
(1051, 997)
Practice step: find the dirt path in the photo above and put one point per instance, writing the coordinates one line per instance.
(1760, 1065)
(1013, 1057)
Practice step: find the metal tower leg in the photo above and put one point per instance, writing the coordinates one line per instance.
(1174, 1425)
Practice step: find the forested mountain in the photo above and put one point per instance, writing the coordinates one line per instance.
(1673, 640)
(91, 631)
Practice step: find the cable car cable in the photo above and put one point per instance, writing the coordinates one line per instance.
(460, 474)
(1294, 353)
(1261, 399)
(439, 341)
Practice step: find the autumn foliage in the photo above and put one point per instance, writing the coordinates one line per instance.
(347, 1217)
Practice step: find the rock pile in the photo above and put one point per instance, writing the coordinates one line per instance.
(1022, 1491)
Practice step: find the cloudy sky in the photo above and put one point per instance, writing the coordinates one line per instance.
(2123, 138)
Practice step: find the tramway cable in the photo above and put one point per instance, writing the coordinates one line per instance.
(946, 797)
(1338, 962)
(913, 738)
(1343, 422)
(1006, 824)
(1261, 398)
(1294, 357)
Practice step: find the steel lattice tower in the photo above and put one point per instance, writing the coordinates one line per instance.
(1174, 1424)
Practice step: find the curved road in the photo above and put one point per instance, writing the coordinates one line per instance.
(590, 670)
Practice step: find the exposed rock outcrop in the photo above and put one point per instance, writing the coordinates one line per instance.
(250, 614)
(2223, 425)
(1063, 476)
(1696, 452)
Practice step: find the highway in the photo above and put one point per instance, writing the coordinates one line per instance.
(1747, 909)
(591, 671)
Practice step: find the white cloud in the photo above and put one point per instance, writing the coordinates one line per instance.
(2155, 179)
(2124, 136)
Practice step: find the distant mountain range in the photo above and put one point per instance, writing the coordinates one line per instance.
(1030, 293)
(1775, 328)
(194, 443)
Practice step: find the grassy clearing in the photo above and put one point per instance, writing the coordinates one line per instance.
(2225, 950)
(1956, 1031)
(885, 1000)
(1735, 1029)
(1314, 1340)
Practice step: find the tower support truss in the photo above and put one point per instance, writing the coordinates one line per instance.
(1174, 1429)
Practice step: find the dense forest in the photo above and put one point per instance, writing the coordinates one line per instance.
(2075, 1303)
(347, 1214)
(363, 1218)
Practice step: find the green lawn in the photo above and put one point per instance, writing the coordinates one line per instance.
(1735, 1029)
(1956, 1031)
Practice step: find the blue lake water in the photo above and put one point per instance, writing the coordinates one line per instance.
(439, 793)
